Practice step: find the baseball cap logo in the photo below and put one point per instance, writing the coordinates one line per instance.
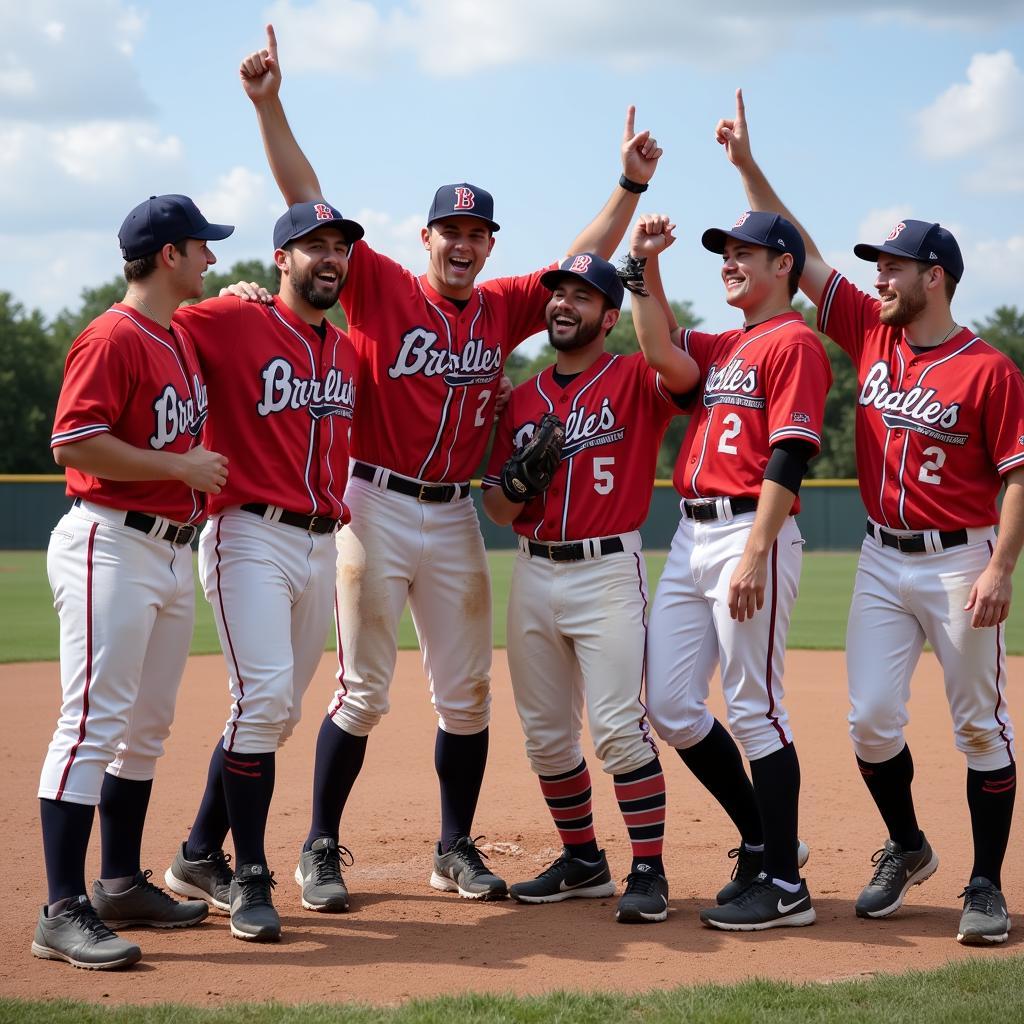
(464, 198)
(896, 231)
(743, 220)
(580, 265)
(323, 212)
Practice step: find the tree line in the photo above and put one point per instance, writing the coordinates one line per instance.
(33, 349)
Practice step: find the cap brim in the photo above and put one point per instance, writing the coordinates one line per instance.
(214, 232)
(349, 228)
(465, 213)
(714, 240)
(551, 278)
(871, 252)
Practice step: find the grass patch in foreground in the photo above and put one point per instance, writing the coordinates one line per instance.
(971, 992)
(28, 623)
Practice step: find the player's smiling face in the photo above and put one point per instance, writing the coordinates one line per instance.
(576, 315)
(901, 290)
(749, 273)
(314, 267)
(458, 247)
(189, 269)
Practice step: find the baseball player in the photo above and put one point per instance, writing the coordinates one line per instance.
(940, 429)
(127, 428)
(434, 346)
(732, 573)
(283, 383)
(578, 604)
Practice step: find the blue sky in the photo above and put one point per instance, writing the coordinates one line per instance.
(861, 114)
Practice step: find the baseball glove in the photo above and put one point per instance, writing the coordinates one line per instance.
(530, 468)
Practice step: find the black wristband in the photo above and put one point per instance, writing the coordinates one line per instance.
(631, 186)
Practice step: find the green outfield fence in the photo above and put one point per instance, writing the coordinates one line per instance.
(832, 517)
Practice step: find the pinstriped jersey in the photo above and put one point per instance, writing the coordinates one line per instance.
(281, 404)
(936, 429)
(432, 368)
(759, 386)
(127, 376)
(615, 414)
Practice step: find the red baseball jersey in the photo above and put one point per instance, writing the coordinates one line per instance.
(127, 376)
(615, 415)
(282, 404)
(434, 369)
(759, 386)
(935, 430)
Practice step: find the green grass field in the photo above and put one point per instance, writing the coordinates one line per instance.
(972, 992)
(28, 624)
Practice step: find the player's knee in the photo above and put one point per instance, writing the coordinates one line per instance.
(466, 720)
(875, 734)
(681, 729)
(553, 762)
(355, 721)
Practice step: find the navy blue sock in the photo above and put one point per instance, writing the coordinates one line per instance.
(210, 828)
(889, 783)
(339, 759)
(123, 805)
(66, 830)
(718, 766)
(777, 785)
(248, 788)
(990, 798)
(459, 762)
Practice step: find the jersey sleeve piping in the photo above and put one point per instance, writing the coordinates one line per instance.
(78, 434)
(798, 433)
(826, 302)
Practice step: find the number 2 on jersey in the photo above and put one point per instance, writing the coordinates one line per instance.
(930, 470)
(484, 398)
(733, 424)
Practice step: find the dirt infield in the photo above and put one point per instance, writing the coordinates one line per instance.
(402, 940)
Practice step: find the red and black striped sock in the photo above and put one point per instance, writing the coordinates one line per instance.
(568, 797)
(990, 798)
(641, 797)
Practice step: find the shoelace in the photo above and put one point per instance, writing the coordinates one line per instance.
(641, 883)
(327, 863)
(753, 891)
(467, 850)
(147, 886)
(84, 915)
(256, 888)
(221, 862)
(745, 863)
(979, 898)
(555, 867)
(887, 866)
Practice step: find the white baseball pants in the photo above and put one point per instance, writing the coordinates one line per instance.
(576, 633)
(399, 549)
(271, 587)
(691, 632)
(126, 604)
(899, 601)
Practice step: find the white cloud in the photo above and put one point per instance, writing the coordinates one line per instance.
(981, 121)
(65, 60)
(453, 38)
(398, 238)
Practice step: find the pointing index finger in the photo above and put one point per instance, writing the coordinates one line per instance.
(741, 110)
(630, 119)
(272, 41)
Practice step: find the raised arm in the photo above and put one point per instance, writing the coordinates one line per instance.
(640, 155)
(652, 315)
(260, 73)
(732, 134)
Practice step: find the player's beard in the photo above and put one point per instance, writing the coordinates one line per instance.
(907, 308)
(586, 332)
(310, 290)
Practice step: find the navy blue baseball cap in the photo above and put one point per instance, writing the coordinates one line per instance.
(766, 229)
(918, 240)
(302, 218)
(161, 220)
(462, 200)
(598, 273)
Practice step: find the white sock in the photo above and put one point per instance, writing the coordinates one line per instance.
(753, 849)
(788, 886)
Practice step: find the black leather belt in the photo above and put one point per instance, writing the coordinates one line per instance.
(402, 484)
(144, 523)
(312, 524)
(914, 543)
(706, 511)
(575, 551)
